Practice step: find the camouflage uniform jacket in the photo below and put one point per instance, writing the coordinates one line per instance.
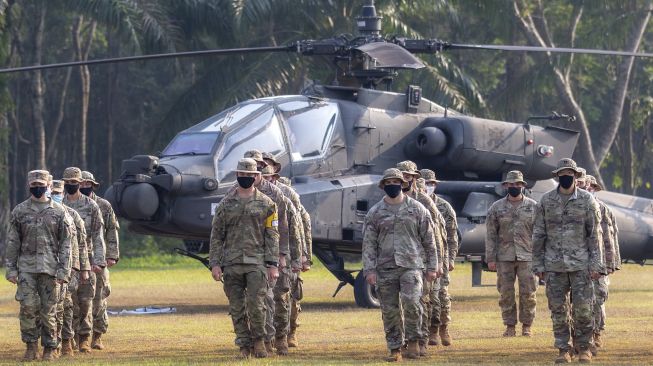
(398, 237)
(244, 231)
(439, 229)
(79, 251)
(450, 223)
(38, 240)
(94, 224)
(111, 227)
(567, 236)
(607, 226)
(509, 231)
(305, 219)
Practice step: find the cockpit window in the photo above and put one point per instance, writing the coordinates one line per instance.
(310, 126)
(191, 144)
(262, 133)
(232, 116)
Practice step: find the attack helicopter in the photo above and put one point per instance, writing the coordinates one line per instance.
(334, 141)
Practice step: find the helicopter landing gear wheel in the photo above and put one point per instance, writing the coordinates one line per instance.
(364, 293)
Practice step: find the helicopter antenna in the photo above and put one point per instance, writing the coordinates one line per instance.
(554, 116)
(368, 22)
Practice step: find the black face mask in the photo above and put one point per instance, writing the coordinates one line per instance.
(245, 182)
(71, 188)
(392, 190)
(37, 192)
(86, 191)
(514, 191)
(566, 181)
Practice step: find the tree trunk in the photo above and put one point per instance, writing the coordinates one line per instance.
(628, 155)
(82, 49)
(113, 46)
(38, 88)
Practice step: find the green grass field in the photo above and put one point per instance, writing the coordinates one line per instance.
(333, 330)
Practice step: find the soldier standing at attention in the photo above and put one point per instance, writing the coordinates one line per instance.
(83, 291)
(102, 284)
(245, 248)
(509, 251)
(566, 249)
(398, 245)
(440, 315)
(38, 260)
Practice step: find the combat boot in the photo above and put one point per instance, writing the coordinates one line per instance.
(281, 344)
(269, 347)
(593, 349)
(433, 336)
(48, 354)
(97, 341)
(244, 352)
(585, 356)
(31, 351)
(67, 347)
(395, 356)
(526, 330)
(563, 357)
(422, 349)
(412, 350)
(510, 331)
(84, 343)
(598, 342)
(259, 349)
(444, 335)
(292, 339)
(75, 342)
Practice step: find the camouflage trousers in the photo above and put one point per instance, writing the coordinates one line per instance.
(64, 296)
(600, 297)
(38, 294)
(296, 295)
(400, 292)
(102, 292)
(281, 309)
(245, 286)
(507, 273)
(441, 303)
(82, 293)
(578, 285)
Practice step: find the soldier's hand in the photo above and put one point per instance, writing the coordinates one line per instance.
(96, 269)
(216, 272)
(595, 275)
(84, 275)
(282, 261)
(451, 266)
(296, 269)
(306, 266)
(432, 275)
(12, 279)
(371, 279)
(60, 282)
(111, 262)
(273, 273)
(492, 266)
(541, 276)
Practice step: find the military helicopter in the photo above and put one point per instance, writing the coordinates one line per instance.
(335, 141)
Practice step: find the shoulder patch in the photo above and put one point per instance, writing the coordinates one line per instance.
(272, 220)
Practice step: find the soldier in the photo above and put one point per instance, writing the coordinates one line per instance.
(80, 263)
(245, 247)
(566, 237)
(38, 260)
(410, 174)
(440, 315)
(110, 235)
(398, 245)
(83, 291)
(612, 261)
(509, 251)
(296, 292)
(580, 181)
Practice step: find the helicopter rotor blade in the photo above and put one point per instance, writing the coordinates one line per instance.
(589, 51)
(228, 51)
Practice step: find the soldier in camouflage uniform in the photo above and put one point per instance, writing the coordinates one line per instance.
(398, 246)
(440, 315)
(38, 260)
(245, 247)
(102, 284)
(410, 174)
(80, 262)
(612, 261)
(566, 248)
(509, 251)
(296, 292)
(83, 291)
(580, 181)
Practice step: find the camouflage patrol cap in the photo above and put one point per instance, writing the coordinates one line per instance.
(57, 186)
(408, 167)
(583, 174)
(50, 178)
(72, 173)
(428, 175)
(88, 177)
(566, 163)
(269, 171)
(270, 159)
(247, 165)
(254, 154)
(285, 181)
(421, 184)
(38, 176)
(514, 176)
(592, 182)
(393, 173)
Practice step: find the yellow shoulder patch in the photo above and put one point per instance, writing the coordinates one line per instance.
(272, 220)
